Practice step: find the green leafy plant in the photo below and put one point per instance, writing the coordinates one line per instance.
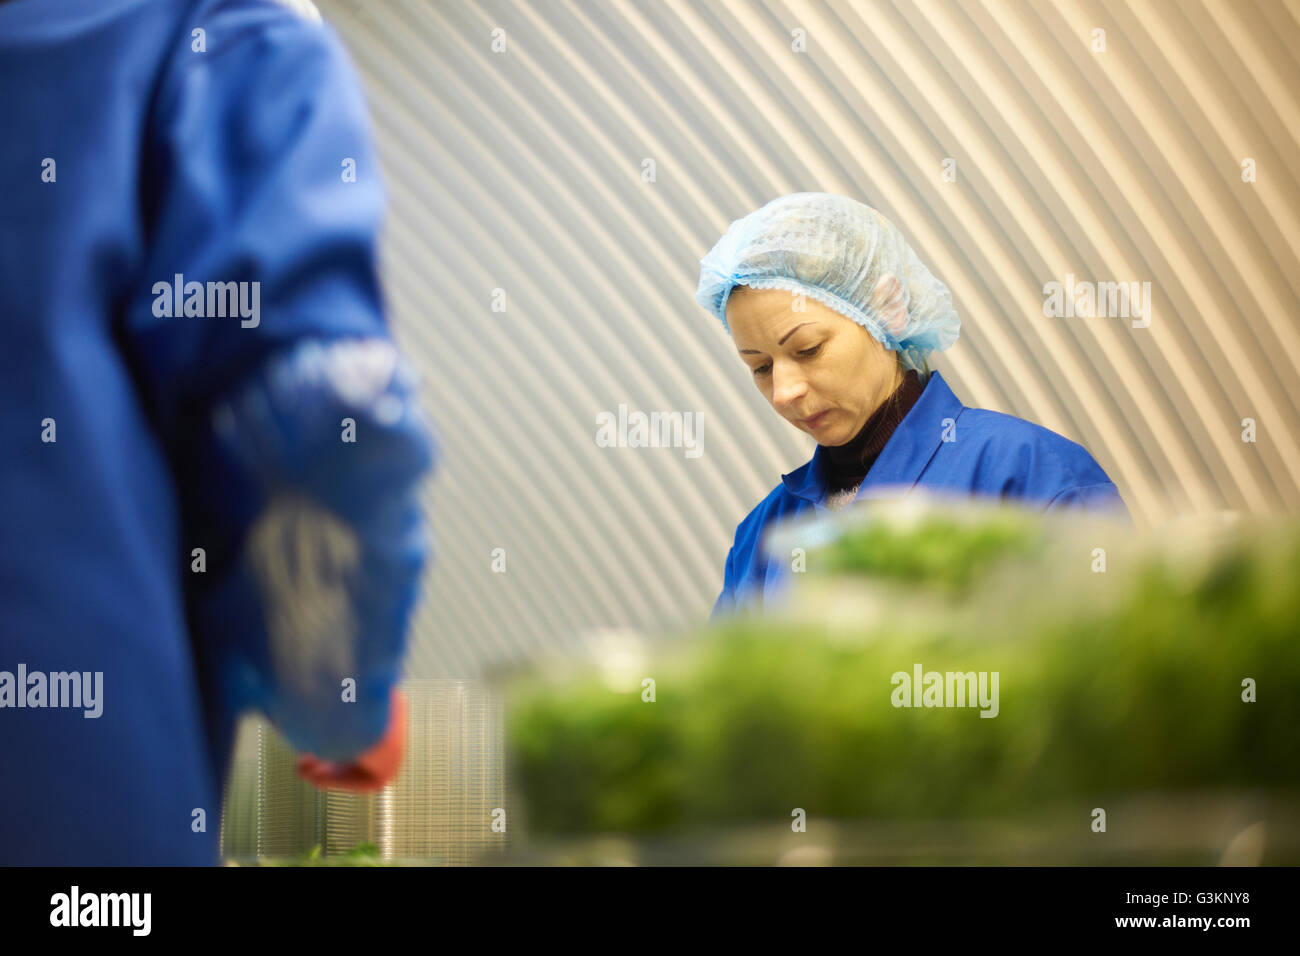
(363, 854)
(1125, 680)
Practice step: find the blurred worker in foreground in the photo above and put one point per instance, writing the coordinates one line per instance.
(835, 317)
(212, 446)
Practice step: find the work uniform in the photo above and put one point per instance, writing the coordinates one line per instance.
(940, 445)
(152, 142)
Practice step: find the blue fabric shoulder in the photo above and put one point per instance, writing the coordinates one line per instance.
(1023, 460)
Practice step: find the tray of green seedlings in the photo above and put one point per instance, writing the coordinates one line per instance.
(944, 663)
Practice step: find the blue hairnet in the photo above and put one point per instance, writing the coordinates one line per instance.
(842, 253)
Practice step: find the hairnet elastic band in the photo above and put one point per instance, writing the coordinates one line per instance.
(828, 299)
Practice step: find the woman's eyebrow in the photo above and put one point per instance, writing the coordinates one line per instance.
(792, 332)
(782, 342)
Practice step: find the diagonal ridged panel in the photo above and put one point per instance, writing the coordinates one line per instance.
(522, 171)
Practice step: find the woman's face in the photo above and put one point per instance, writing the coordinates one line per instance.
(820, 370)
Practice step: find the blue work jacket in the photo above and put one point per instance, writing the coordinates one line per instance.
(940, 445)
(146, 139)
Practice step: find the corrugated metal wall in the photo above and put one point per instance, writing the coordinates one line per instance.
(519, 175)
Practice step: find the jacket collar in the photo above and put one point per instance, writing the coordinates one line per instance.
(904, 456)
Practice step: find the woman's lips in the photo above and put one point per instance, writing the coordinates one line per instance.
(817, 420)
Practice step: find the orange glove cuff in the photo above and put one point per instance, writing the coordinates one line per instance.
(372, 770)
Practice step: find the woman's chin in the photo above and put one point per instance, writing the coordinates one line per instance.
(829, 435)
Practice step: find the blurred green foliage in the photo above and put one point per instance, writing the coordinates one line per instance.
(946, 549)
(1111, 682)
(363, 854)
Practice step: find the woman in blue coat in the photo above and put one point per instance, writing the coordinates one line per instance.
(835, 317)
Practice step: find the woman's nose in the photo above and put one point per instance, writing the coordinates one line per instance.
(788, 386)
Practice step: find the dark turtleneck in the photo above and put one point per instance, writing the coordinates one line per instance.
(848, 464)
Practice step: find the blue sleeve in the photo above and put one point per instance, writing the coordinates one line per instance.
(726, 602)
(292, 422)
(246, 177)
(1101, 498)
